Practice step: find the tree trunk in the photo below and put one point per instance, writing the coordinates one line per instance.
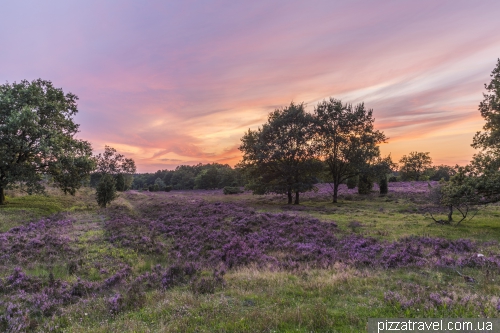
(2, 196)
(450, 218)
(335, 192)
(289, 196)
(296, 198)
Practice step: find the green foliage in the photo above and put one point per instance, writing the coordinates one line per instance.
(168, 188)
(232, 190)
(346, 139)
(414, 165)
(278, 158)
(183, 178)
(37, 137)
(207, 179)
(159, 184)
(120, 182)
(490, 111)
(187, 177)
(110, 162)
(441, 172)
(106, 190)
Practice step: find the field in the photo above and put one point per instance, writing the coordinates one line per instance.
(201, 261)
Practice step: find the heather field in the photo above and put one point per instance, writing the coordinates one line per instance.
(201, 261)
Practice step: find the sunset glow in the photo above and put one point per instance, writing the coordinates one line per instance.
(170, 83)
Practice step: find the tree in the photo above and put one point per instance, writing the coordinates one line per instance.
(207, 179)
(442, 171)
(490, 111)
(279, 157)
(37, 137)
(485, 166)
(160, 183)
(458, 194)
(414, 165)
(345, 139)
(106, 190)
(112, 163)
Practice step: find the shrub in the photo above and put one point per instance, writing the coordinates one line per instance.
(384, 186)
(365, 184)
(168, 188)
(151, 188)
(106, 190)
(232, 190)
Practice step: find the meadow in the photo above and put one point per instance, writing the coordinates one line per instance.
(201, 261)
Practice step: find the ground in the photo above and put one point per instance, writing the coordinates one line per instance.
(201, 261)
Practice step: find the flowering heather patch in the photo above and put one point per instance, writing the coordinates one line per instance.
(233, 235)
(191, 236)
(43, 241)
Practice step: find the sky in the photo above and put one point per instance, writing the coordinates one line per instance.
(179, 82)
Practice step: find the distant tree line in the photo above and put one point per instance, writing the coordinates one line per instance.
(189, 177)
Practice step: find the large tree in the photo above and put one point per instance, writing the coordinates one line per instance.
(345, 139)
(479, 182)
(37, 137)
(490, 111)
(279, 157)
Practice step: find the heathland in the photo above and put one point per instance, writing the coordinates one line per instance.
(202, 261)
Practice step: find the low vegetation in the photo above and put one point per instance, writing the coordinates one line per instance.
(207, 262)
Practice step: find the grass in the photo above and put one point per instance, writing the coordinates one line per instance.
(337, 299)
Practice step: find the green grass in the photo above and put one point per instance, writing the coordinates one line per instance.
(339, 299)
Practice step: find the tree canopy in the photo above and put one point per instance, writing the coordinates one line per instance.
(37, 137)
(345, 139)
(489, 108)
(279, 157)
(413, 166)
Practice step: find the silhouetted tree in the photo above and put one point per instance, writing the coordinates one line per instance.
(279, 157)
(413, 166)
(345, 139)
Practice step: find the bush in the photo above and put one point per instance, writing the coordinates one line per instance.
(384, 187)
(365, 184)
(106, 190)
(232, 190)
(168, 188)
(352, 182)
(151, 188)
